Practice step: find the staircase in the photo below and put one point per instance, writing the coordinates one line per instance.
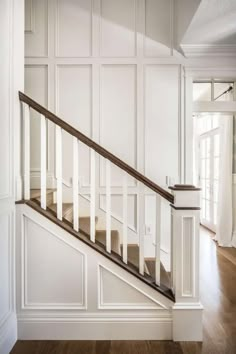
(100, 241)
(179, 285)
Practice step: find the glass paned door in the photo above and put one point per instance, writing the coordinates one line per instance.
(209, 177)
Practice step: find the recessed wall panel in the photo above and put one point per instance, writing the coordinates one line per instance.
(4, 266)
(74, 28)
(158, 28)
(48, 261)
(116, 292)
(36, 28)
(117, 208)
(74, 86)
(118, 115)
(36, 74)
(118, 28)
(161, 122)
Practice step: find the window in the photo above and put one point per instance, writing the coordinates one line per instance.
(213, 91)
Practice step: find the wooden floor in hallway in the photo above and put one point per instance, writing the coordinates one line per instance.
(218, 296)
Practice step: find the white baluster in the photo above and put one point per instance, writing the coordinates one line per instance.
(108, 206)
(141, 218)
(158, 241)
(75, 184)
(59, 170)
(26, 117)
(43, 147)
(92, 195)
(125, 218)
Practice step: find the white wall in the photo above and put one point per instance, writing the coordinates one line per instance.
(108, 68)
(11, 73)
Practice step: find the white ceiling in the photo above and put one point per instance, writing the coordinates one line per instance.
(214, 22)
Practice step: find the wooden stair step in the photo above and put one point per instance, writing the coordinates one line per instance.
(132, 254)
(84, 223)
(66, 208)
(67, 212)
(36, 194)
(115, 239)
(165, 276)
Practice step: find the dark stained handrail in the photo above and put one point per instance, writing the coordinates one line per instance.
(98, 148)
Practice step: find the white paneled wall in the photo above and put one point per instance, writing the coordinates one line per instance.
(11, 80)
(67, 290)
(107, 67)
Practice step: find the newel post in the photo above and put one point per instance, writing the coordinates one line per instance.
(187, 311)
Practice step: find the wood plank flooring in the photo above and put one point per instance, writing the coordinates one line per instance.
(218, 296)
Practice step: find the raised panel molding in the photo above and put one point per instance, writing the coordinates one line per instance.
(158, 28)
(118, 28)
(116, 208)
(118, 113)
(37, 33)
(29, 16)
(73, 92)
(36, 73)
(55, 243)
(77, 15)
(5, 266)
(188, 243)
(113, 285)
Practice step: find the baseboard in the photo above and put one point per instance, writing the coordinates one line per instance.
(234, 239)
(8, 334)
(95, 329)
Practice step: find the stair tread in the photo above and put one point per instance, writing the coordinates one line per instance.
(113, 232)
(65, 207)
(165, 278)
(36, 193)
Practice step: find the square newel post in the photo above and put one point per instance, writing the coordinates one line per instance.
(187, 311)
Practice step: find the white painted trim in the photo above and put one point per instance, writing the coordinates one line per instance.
(208, 50)
(216, 106)
(8, 334)
(25, 304)
(96, 328)
(123, 306)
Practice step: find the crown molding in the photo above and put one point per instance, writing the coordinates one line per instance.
(208, 50)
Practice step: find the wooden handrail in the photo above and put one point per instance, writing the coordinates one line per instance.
(98, 148)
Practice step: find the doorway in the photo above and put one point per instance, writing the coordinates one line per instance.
(209, 157)
(209, 115)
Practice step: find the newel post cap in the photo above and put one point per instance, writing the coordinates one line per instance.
(186, 196)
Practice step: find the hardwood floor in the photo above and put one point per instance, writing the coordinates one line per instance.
(218, 296)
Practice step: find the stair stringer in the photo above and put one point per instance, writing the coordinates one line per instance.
(46, 255)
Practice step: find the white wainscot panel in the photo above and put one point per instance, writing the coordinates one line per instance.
(74, 92)
(117, 293)
(54, 271)
(29, 16)
(187, 252)
(5, 149)
(117, 175)
(117, 208)
(36, 28)
(33, 74)
(118, 28)
(161, 122)
(4, 266)
(74, 28)
(118, 121)
(158, 28)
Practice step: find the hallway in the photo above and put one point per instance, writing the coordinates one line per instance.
(218, 285)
